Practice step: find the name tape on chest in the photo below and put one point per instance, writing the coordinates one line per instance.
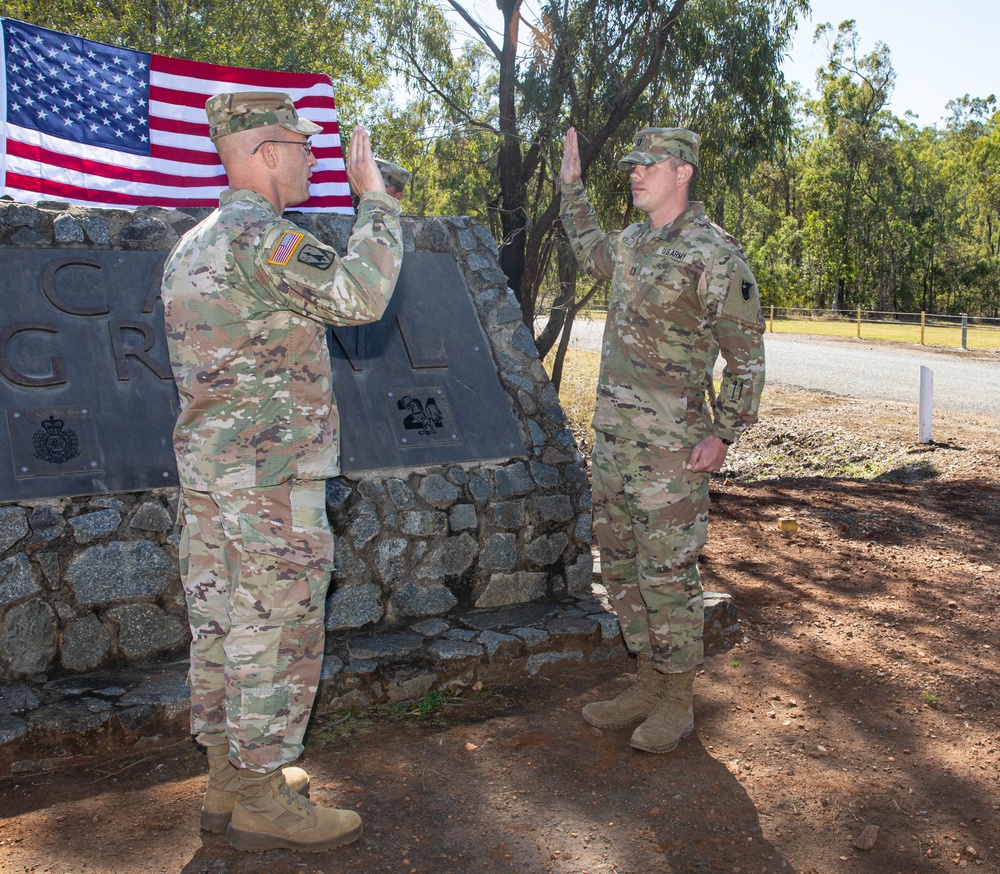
(676, 254)
(664, 251)
(282, 253)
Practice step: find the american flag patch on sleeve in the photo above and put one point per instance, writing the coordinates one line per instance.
(282, 253)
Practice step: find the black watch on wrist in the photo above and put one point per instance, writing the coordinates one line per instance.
(727, 442)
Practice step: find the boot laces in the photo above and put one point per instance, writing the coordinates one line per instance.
(300, 801)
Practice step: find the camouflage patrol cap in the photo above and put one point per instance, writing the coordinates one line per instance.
(244, 110)
(655, 144)
(393, 175)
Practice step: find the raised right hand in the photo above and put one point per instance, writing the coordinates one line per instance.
(362, 171)
(570, 170)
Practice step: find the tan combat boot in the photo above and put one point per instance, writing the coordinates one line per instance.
(672, 719)
(635, 703)
(269, 816)
(223, 781)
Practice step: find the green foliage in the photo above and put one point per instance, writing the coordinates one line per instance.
(838, 202)
(433, 700)
(864, 209)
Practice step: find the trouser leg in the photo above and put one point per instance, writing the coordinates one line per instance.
(207, 562)
(257, 572)
(616, 541)
(653, 513)
(273, 659)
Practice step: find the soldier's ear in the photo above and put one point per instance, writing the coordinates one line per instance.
(270, 155)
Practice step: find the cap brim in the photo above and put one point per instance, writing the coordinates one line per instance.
(304, 127)
(644, 158)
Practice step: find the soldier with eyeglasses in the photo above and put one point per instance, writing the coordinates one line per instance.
(247, 296)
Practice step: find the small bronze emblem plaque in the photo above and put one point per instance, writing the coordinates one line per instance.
(421, 416)
(53, 441)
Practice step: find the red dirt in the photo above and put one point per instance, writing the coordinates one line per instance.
(862, 706)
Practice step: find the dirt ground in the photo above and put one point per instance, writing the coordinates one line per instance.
(855, 729)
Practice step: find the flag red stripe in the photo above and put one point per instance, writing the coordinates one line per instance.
(191, 156)
(196, 99)
(197, 129)
(148, 177)
(117, 198)
(267, 80)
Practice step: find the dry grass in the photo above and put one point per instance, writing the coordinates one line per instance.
(578, 393)
(978, 337)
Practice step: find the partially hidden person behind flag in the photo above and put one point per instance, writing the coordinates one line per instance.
(681, 292)
(396, 178)
(247, 296)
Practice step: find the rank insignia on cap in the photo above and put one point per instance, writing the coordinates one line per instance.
(747, 289)
(315, 257)
(282, 253)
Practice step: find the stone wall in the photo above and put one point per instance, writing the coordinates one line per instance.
(434, 565)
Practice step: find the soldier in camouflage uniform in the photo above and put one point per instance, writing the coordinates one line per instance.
(247, 296)
(395, 178)
(681, 292)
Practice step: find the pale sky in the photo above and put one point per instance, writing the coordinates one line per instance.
(940, 50)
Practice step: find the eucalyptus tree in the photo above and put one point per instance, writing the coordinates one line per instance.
(855, 90)
(606, 67)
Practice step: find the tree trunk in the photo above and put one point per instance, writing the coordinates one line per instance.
(512, 208)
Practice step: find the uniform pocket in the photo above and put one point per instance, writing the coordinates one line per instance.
(302, 536)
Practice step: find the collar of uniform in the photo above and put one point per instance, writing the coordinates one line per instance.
(694, 209)
(232, 194)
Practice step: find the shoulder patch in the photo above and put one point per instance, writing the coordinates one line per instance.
(742, 302)
(282, 253)
(317, 258)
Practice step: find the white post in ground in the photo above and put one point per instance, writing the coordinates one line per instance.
(926, 403)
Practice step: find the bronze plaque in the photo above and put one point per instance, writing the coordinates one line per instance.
(54, 442)
(420, 386)
(89, 400)
(85, 383)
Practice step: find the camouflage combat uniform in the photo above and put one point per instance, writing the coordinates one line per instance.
(679, 295)
(246, 296)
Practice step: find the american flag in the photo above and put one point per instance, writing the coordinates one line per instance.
(98, 125)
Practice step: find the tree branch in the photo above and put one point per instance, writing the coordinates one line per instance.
(480, 31)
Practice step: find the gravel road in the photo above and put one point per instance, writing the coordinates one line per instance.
(963, 382)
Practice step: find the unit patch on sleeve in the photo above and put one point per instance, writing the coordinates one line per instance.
(319, 259)
(742, 298)
(282, 253)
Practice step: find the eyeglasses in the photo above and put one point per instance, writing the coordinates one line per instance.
(306, 145)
